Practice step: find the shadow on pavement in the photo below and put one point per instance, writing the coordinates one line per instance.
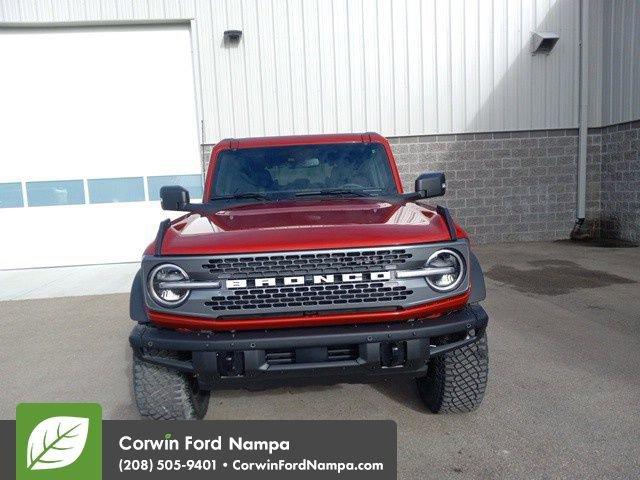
(553, 277)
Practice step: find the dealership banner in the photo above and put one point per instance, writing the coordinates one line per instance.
(70, 441)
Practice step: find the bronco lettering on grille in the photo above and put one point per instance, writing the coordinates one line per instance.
(306, 280)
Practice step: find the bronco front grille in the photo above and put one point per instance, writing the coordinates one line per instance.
(304, 263)
(281, 297)
(257, 285)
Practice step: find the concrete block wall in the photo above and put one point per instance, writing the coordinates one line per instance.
(521, 186)
(503, 186)
(620, 197)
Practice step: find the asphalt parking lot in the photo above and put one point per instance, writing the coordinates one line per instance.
(564, 387)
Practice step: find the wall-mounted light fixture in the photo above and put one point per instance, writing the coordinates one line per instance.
(543, 42)
(232, 37)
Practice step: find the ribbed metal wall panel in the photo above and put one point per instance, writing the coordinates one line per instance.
(594, 74)
(399, 67)
(620, 61)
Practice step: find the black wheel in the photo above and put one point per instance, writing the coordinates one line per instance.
(456, 380)
(164, 394)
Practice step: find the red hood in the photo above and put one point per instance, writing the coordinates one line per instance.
(305, 225)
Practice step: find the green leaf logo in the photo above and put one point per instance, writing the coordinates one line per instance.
(56, 442)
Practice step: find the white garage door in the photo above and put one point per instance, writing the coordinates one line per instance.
(92, 122)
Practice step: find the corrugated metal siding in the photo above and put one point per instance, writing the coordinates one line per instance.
(595, 62)
(620, 61)
(399, 67)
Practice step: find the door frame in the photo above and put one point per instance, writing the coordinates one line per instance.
(190, 22)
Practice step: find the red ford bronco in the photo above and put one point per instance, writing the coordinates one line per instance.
(306, 263)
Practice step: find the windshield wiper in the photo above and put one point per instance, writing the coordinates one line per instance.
(239, 196)
(340, 191)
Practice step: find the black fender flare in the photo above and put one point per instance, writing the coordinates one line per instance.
(478, 290)
(137, 311)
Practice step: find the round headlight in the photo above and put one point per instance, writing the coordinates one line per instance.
(446, 259)
(165, 273)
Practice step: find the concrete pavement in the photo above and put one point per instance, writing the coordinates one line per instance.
(562, 399)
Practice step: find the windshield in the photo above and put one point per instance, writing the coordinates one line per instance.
(301, 170)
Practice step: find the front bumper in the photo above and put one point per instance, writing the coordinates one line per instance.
(354, 353)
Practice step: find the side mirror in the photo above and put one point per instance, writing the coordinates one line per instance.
(174, 198)
(431, 184)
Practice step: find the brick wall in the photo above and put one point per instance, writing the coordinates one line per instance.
(521, 186)
(620, 197)
(503, 186)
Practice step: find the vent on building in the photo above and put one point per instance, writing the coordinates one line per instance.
(232, 36)
(543, 42)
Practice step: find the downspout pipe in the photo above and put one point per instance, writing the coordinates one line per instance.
(583, 112)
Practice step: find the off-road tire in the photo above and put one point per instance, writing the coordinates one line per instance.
(165, 394)
(456, 380)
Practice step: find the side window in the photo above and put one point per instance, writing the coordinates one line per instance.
(57, 192)
(193, 183)
(11, 195)
(114, 190)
